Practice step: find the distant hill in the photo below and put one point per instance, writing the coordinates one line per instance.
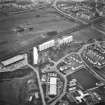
(14, 1)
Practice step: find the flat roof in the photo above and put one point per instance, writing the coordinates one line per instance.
(53, 86)
(53, 80)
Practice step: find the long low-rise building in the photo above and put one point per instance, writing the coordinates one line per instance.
(53, 86)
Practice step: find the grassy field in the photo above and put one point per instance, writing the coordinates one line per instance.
(42, 21)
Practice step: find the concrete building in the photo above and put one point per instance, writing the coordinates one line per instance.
(35, 55)
(53, 86)
(46, 45)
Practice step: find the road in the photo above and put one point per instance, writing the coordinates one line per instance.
(40, 87)
(99, 73)
(67, 15)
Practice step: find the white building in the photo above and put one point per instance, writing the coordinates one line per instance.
(46, 45)
(65, 40)
(53, 86)
(14, 59)
(35, 55)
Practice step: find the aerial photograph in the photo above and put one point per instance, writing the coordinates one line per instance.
(52, 52)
